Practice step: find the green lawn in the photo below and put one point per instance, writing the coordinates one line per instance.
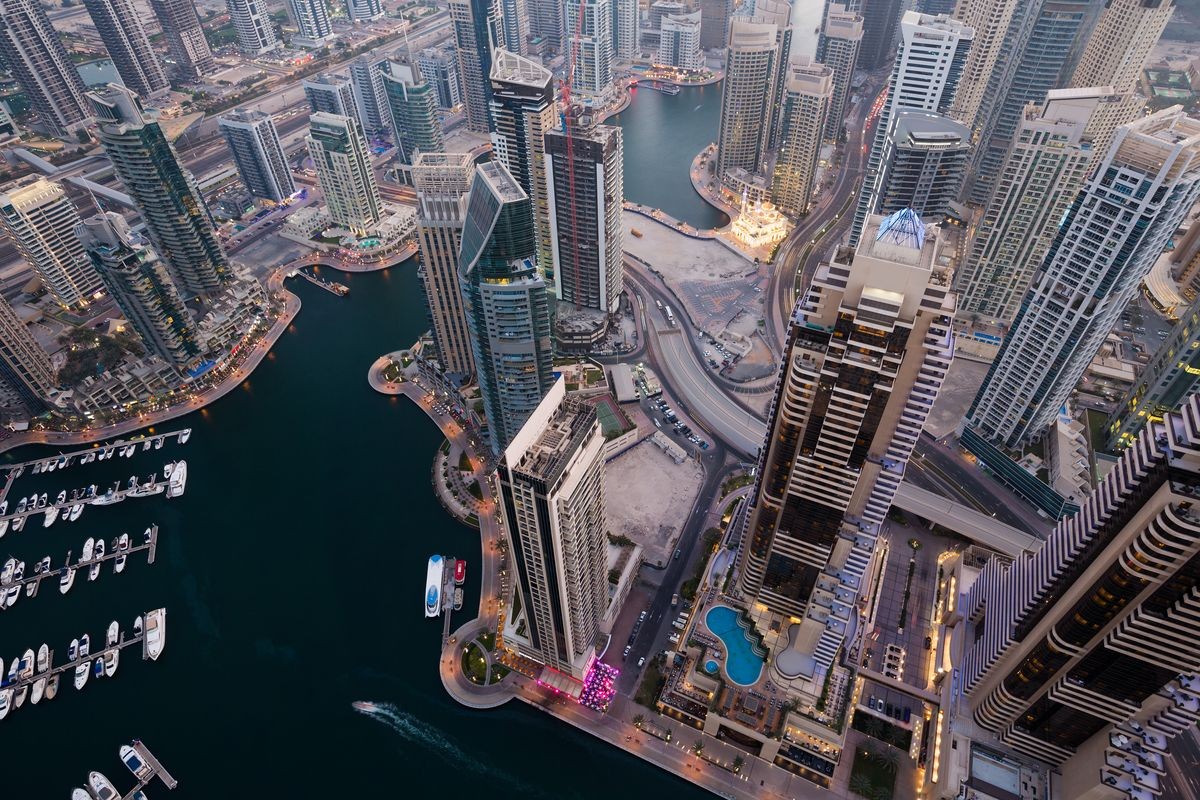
(735, 483)
(652, 684)
(474, 666)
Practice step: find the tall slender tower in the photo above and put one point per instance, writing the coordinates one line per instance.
(139, 282)
(626, 27)
(990, 19)
(1117, 227)
(750, 64)
(366, 80)
(177, 220)
(923, 166)
(507, 305)
(1044, 171)
(546, 21)
(125, 39)
(24, 366)
(442, 182)
(866, 355)
(440, 69)
(837, 48)
(186, 44)
(414, 111)
(258, 153)
(339, 153)
(515, 26)
(1084, 653)
(40, 221)
(255, 29)
(552, 490)
(1119, 45)
(805, 106)
(476, 30)
(523, 111)
(715, 16)
(331, 94)
(591, 46)
(925, 77)
(33, 52)
(880, 20)
(1036, 56)
(585, 174)
(364, 10)
(313, 28)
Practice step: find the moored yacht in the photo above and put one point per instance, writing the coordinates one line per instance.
(6, 697)
(14, 591)
(97, 554)
(178, 479)
(51, 515)
(140, 769)
(83, 665)
(62, 497)
(52, 687)
(75, 512)
(156, 632)
(434, 575)
(102, 787)
(183, 437)
(66, 579)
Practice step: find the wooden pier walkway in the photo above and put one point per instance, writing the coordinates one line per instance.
(90, 658)
(339, 289)
(158, 769)
(159, 486)
(81, 566)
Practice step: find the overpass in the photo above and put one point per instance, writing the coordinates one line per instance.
(974, 525)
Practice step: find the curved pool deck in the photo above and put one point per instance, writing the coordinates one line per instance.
(742, 665)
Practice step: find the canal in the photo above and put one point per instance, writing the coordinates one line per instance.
(292, 571)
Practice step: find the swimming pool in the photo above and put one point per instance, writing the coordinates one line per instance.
(742, 665)
(711, 667)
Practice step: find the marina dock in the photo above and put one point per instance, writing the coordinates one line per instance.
(150, 545)
(339, 289)
(158, 769)
(123, 642)
(102, 497)
(39, 465)
(449, 595)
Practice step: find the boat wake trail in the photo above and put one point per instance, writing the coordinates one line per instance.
(414, 730)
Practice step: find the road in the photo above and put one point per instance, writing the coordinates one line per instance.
(1183, 767)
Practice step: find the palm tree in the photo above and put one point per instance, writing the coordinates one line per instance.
(738, 763)
(698, 747)
(888, 759)
(861, 785)
(638, 719)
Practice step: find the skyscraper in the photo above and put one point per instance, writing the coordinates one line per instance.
(523, 111)
(440, 69)
(313, 28)
(331, 94)
(255, 29)
(923, 166)
(929, 63)
(1035, 58)
(591, 44)
(1116, 228)
(679, 42)
(806, 98)
(1119, 45)
(40, 221)
(1044, 170)
(476, 28)
(25, 368)
(880, 19)
(120, 28)
(33, 52)
(177, 219)
(585, 184)
(715, 16)
(514, 26)
(1164, 382)
(750, 64)
(837, 48)
(442, 182)
(138, 280)
(413, 106)
(1097, 628)
(507, 305)
(546, 21)
(990, 19)
(364, 10)
(626, 27)
(258, 154)
(186, 45)
(339, 153)
(366, 81)
(552, 492)
(843, 425)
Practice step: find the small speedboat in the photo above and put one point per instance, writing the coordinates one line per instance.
(83, 665)
(62, 497)
(22, 505)
(51, 466)
(146, 445)
(112, 634)
(42, 566)
(3, 507)
(43, 658)
(122, 547)
(140, 769)
(66, 579)
(111, 657)
(24, 673)
(75, 512)
(167, 469)
(137, 625)
(88, 548)
(73, 650)
(14, 592)
(148, 535)
(18, 523)
(98, 668)
(12, 673)
(6, 702)
(43, 500)
(129, 451)
(52, 687)
(51, 515)
(158, 443)
(3, 527)
(39, 691)
(133, 481)
(102, 787)
(80, 794)
(6, 574)
(43, 664)
(183, 437)
(97, 555)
